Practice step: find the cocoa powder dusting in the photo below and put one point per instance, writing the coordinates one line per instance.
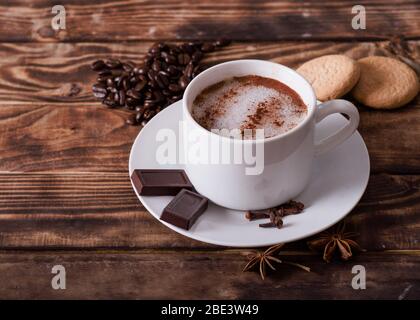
(278, 123)
(225, 96)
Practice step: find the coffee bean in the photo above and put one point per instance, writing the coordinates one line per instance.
(113, 63)
(207, 47)
(143, 71)
(172, 70)
(131, 120)
(116, 97)
(134, 103)
(174, 87)
(140, 85)
(154, 49)
(151, 74)
(129, 101)
(159, 82)
(183, 58)
(122, 97)
(197, 56)
(105, 72)
(166, 92)
(116, 72)
(110, 82)
(170, 59)
(148, 114)
(124, 83)
(98, 65)
(189, 70)
(156, 66)
(139, 117)
(109, 103)
(158, 96)
(221, 43)
(139, 108)
(142, 77)
(120, 81)
(101, 79)
(197, 70)
(162, 46)
(148, 60)
(99, 94)
(153, 84)
(173, 49)
(165, 73)
(185, 47)
(162, 80)
(127, 67)
(149, 103)
(133, 94)
(148, 95)
(99, 87)
(183, 82)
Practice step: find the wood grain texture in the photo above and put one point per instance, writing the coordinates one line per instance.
(64, 138)
(60, 72)
(63, 163)
(49, 120)
(392, 138)
(201, 275)
(91, 211)
(112, 20)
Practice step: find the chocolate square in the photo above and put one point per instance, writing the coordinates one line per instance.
(184, 209)
(160, 182)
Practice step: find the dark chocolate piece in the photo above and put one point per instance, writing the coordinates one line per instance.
(160, 182)
(184, 209)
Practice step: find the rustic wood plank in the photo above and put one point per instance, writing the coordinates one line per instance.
(387, 216)
(50, 122)
(60, 73)
(392, 138)
(140, 275)
(91, 211)
(233, 19)
(72, 138)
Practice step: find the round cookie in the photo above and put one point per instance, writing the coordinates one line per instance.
(385, 83)
(331, 76)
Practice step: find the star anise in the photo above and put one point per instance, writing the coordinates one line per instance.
(335, 239)
(267, 258)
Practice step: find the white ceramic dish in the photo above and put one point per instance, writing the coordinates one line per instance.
(338, 181)
(283, 163)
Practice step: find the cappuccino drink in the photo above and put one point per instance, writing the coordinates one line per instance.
(249, 102)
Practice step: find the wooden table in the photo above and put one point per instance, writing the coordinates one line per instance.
(65, 195)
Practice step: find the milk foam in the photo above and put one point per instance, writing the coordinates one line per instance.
(241, 103)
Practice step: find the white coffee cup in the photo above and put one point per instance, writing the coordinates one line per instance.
(287, 158)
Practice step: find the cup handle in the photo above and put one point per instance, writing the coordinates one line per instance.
(336, 106)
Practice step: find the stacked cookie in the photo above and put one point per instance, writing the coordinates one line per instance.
(377, 82)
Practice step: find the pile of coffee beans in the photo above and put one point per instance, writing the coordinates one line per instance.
(158, 82)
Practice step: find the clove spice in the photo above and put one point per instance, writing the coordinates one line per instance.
(275, 214)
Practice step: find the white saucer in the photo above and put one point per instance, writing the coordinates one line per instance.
(338, 182)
